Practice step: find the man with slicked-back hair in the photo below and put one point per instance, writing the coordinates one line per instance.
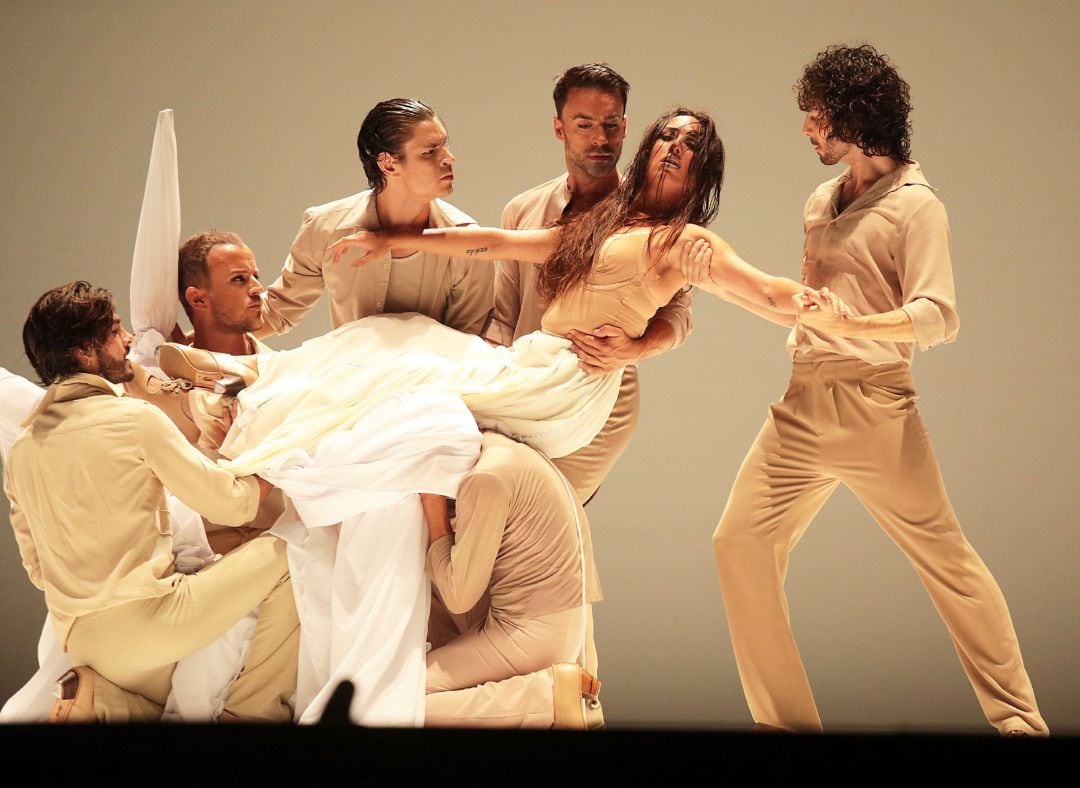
(405, 152)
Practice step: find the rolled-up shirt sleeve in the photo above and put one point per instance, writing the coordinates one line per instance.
(677, 314)
(926, 277)
(460, 567)
(210, 490)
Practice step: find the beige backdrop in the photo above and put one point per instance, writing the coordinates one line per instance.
(268, 99)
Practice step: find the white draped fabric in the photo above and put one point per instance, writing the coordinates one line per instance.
(360, 586)
(533, 391)
(154, 303)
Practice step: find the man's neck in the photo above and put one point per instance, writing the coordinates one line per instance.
(401, 212)
(585, 192)
(219, 341)
(864, 171)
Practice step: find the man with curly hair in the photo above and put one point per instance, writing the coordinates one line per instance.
(87, 480)
(876, 246)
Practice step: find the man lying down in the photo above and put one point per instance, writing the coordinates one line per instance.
(358, 585)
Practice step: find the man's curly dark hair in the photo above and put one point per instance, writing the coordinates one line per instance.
(862, 98)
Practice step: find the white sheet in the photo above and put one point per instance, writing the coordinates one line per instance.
(360, 586)
(154, 302)
(533, 391)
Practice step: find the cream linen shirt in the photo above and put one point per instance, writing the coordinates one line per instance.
(456, 292)
(87, 481)
(515, 535)
(518, 305)
(888, 250)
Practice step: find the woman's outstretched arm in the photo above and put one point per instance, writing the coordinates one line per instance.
(742, 282)
(480, 243)
(729, 275)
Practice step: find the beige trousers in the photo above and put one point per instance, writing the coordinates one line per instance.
(517, 702)
(855, 423)
(586, 468)
(135, 646)
(511, 658)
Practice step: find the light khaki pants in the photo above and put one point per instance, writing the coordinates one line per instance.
(855, 423)
(512, 659)
(135, 646)
(517, 702)
(587, 468)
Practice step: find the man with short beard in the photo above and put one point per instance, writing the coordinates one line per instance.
(877, 238)
(218, 282)
(590, 120)
(87, 481)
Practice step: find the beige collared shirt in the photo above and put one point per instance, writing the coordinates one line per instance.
(87, 481)
(454, 291)
(888, 250)
(518, 305)
(515, 534)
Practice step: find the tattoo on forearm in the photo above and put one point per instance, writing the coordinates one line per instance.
(477, 250)
(771, 302)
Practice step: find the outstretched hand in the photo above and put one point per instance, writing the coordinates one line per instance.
(371, 244)
(606, 349)
(695, 261)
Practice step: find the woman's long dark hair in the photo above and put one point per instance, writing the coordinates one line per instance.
(582, 235)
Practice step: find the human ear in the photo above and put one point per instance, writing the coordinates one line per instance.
(557, 125)
(86, 358)
(196, 298)
(387, 163)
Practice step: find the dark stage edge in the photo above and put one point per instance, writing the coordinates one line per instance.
(201, 755)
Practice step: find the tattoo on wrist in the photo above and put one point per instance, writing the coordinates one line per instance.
(771, 302)
(475, 251)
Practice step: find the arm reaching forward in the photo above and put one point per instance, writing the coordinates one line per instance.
(721, 272)
(480, 243)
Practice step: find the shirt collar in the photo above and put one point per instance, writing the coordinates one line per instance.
(74, 387)
(907, 174)
(363, 214)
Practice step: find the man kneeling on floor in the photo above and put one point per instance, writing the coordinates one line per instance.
(87, 482)
(518, 536)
